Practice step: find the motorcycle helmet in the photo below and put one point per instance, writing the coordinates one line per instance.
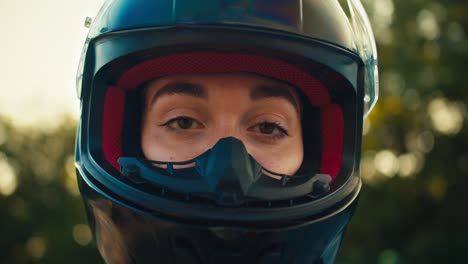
(223, 206)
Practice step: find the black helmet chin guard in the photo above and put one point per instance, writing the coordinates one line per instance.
(226, 174)
(223, 205)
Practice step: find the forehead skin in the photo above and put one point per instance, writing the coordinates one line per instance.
(193, 85)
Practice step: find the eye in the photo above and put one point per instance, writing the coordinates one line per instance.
(269, 129)
(182, 123)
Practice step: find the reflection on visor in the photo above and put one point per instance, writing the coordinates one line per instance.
(225, 174)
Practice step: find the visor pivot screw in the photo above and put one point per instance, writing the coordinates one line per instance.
(88, 22)
(320, 188)
(132, 172)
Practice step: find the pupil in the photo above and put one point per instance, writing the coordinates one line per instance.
(184, 123)
(267, 128)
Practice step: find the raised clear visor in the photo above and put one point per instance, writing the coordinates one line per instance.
(321, 19)
(365, 42)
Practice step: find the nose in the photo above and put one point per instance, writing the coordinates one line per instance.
(228, 125)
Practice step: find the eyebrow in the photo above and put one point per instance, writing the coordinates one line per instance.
(273, 90)
(184, 88)
(261, 91)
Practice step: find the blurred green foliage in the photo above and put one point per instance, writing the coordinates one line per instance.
(413, 207)
(42, 217)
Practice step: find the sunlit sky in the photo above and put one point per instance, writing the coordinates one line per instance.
(40, 47)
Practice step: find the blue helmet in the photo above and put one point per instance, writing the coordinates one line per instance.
(223, 208)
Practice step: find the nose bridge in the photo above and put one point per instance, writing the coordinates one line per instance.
(231, 106)
(228, 125)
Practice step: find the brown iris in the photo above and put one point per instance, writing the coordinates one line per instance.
(267, 128)
(184, 122)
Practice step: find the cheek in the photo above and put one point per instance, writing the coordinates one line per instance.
(158, 144)
(149, 144)
(286, 158)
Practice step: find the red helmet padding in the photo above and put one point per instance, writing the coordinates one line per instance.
(112, 125)
(189, 63)
(331, 121)
(331, 114)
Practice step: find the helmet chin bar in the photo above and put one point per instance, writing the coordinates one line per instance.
(225, 174)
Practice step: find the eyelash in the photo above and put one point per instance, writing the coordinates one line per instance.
(283, 131)
(175, 119)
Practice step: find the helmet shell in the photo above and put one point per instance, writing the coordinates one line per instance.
(316, 36)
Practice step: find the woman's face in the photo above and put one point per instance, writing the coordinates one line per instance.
(185, 115)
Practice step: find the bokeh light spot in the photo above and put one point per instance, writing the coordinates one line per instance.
(36, 247)
(447, 117)
(437, 188)
(410, 164)
(382, 18)
(8, 179)
(425, 141)
(386, 162)
(427, 24)
(82, 234)
(383, 13)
